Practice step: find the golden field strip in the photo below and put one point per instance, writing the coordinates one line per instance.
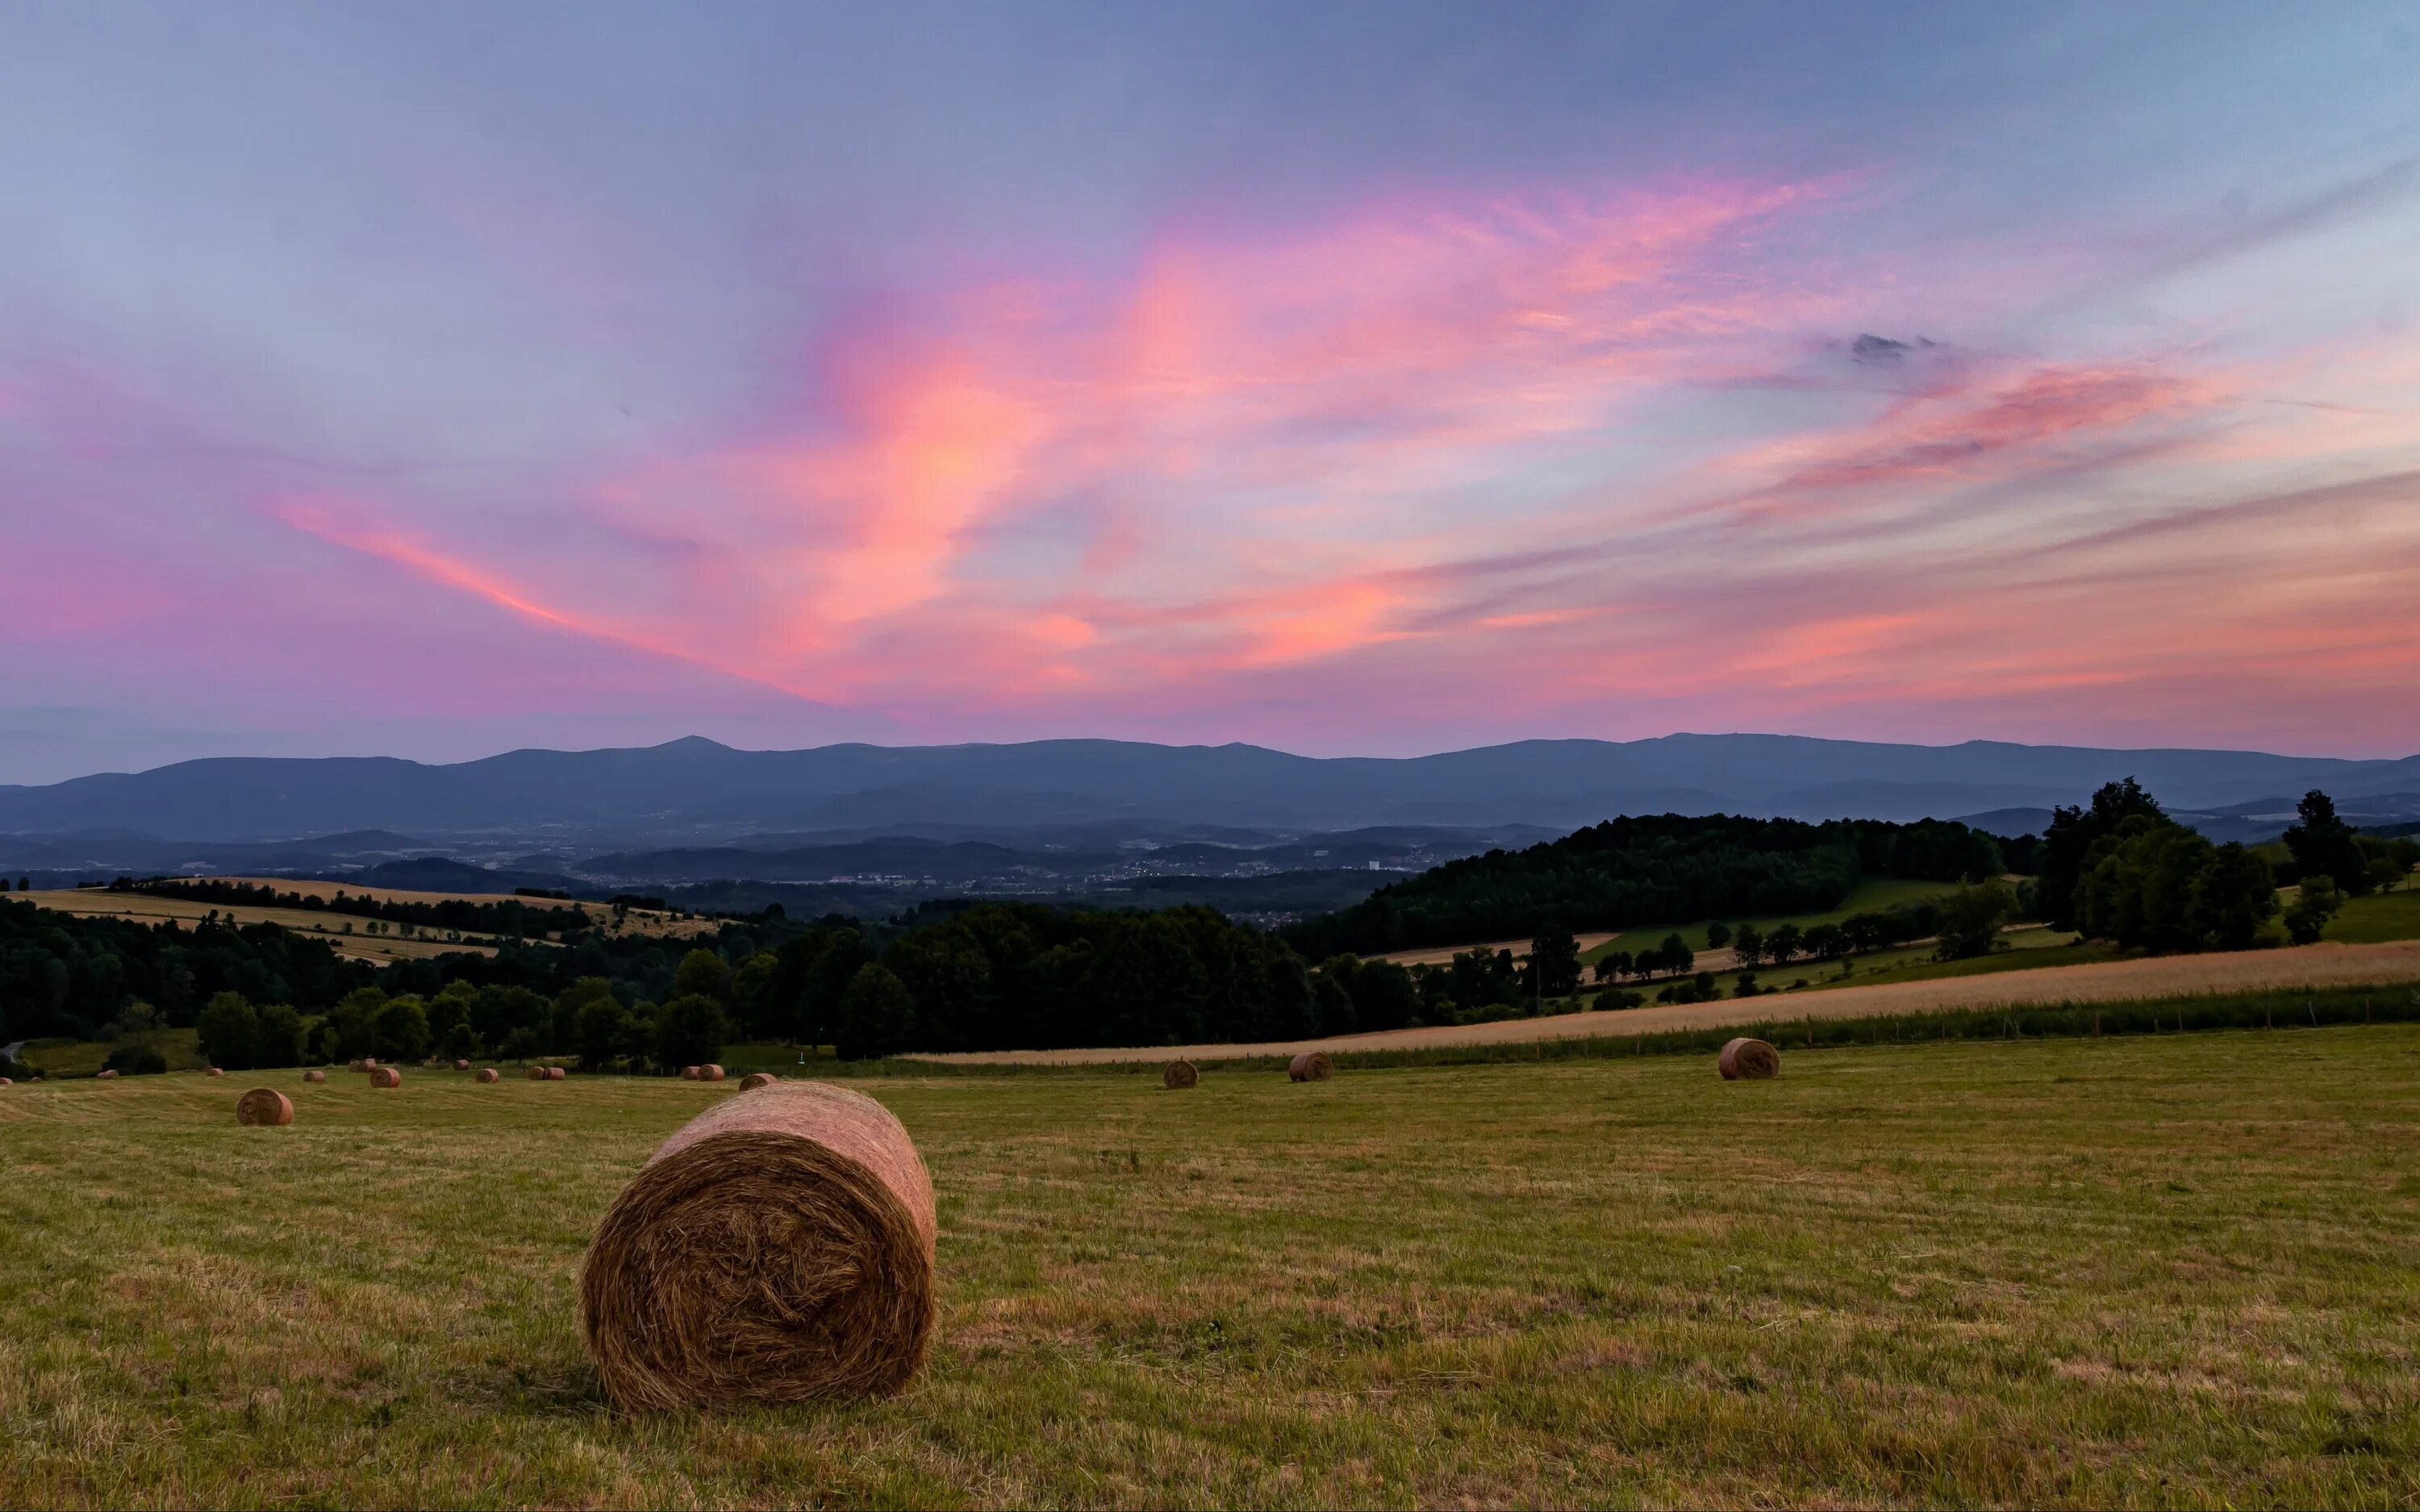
(2181, 1269)
(92, 903)
(2394, 961)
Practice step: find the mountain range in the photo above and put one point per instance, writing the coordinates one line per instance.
(694, 792)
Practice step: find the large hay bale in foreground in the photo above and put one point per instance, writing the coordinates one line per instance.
(1181, 1074)
(778, 1247)
(535, 1073)
(262, 1109)
(315, 1074)
(1748, 1060)
(756, 1079)
(1310, 1066)
(386, 1076)
(709, 1074)
(486, 1074)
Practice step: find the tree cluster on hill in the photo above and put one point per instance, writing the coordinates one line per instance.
(1664, 866)
(508, 917)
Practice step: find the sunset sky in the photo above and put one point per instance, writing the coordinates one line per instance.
(430, 380)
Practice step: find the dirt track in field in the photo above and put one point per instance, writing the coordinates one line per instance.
(2315, 966)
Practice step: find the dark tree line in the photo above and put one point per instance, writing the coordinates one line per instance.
(1664, 866)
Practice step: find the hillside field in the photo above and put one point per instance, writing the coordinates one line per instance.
(94, 903)
(2172, 1270)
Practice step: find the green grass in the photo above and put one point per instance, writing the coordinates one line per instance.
(2378, 917)
(2171, 1271)
(1870, 896)
(180, 1048)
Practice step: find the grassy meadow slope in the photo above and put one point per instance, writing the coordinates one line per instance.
(2154, 1271)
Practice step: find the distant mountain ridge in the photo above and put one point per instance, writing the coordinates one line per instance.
(695, 790)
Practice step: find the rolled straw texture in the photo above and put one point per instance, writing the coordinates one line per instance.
(461, 1065)
(535, 1073)
(689, 1074)
(1310, 1066)
(1748, 1060)
(1181, 1074)
(778, 1247)
(556, 1074)
(262, 1109)
(386, 1076)
(486, 1074)
(315, 1074)
(756, 1079)
(709, 1074)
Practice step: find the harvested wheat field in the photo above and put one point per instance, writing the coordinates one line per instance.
(634, 920)
(93, 902)
(2108, 981)
(2171, 1271)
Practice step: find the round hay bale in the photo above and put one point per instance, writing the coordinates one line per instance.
(1748, 1060)
(778, 1247)
(386, 1076)
(1310, 1066)
(556, 1074)
(461, 1065)
(214, 1072)
(370, 1063)
(106, 1076)
(486, 1074)
(756, 1079)
(5, 1082)
(315, 1074)
(709, 1074)
(355, 1065)
(535, 1073)
(1181, 1074)
(262, 1109)
(689, 1074)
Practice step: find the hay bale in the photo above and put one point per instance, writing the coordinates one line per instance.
(778, 1247)
(355, 1065)
(214, 1072)
(556, 1074)
(1181, 1074)
(5, 1082)
(461, 1065)
(486, 1074)
(386, 1076)
(262, 1109)
(315, 1074)
(709, 1074)
(1310, 1066)
(370, 1063)
(1748, 1060)
(535, 1073)
(756, 1079)
(689, 1074)
(105, 1077)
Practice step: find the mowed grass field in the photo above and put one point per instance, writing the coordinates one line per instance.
(94, 903)
(2180, 1270)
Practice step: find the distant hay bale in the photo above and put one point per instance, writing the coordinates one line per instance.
(315, 1074)
(5, 1082)
(1310, 1066)
(689, 1074)
(778, 1247)
(556, 1074)
(461, 1065)
(106, 1076)
(709, 1074)
(756, 1079)
(486, 1074)
(214, 1072)
(1748, 1060)
(370, 1063)
(262, 1109)
(1181, 1074)
(386, 1076)
(535, 1073)
(355, 1065)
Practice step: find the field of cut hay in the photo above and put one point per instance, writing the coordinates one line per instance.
(92, 903)
(634, 920)
(2171, 1271)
